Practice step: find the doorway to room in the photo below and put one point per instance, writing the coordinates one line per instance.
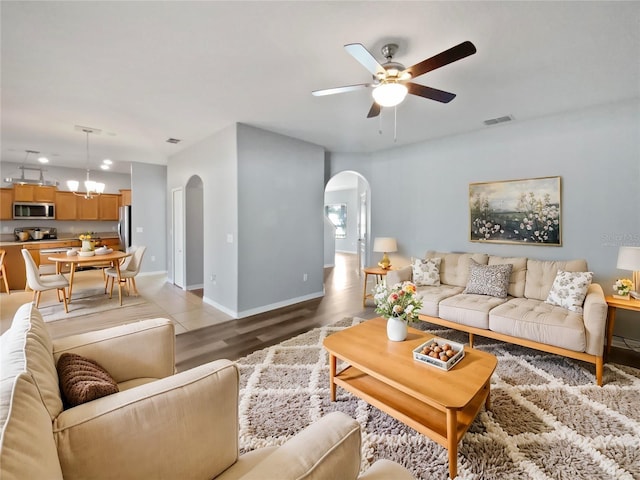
(348, 208)
(188, 235)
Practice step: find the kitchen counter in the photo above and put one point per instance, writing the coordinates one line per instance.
(61, 238)
(14, 262)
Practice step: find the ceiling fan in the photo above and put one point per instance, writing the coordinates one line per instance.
(391, 80)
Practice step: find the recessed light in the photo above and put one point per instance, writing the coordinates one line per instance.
(43, 160)
(106, 161)
(104, 166)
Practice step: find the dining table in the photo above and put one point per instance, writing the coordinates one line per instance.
(78, 260)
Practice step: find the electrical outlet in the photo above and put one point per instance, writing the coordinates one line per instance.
(229, 238)
(153, 258)
(304, 277)
(138, 229)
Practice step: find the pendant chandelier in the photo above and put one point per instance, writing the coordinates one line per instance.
(92, 188)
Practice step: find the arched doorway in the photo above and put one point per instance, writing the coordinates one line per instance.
(347, 199)
(194, 233)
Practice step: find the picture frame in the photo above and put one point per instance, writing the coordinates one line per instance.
(525, 211)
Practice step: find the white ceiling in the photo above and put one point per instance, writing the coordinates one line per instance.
(143, 72)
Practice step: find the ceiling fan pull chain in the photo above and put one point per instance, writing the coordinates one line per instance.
(395, 124)
(380, 123)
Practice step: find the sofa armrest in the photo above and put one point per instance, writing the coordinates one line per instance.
(398, 276)
(182, 426)
(328, 448)
(595, 319)
(386, 469)
(144, 349)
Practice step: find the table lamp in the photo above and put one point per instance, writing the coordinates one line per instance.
(629, 259)
(385, 245)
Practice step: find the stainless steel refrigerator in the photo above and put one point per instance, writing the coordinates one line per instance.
(124, 226)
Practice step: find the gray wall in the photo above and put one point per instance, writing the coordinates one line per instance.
(420, 192)
(350, 198)
(148, 214)
(280, 224)
(214, 160)
(329, 243)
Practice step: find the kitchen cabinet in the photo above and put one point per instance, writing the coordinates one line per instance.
(6, 203)
(125, 197)
(108, 206)
(34, 193)
(87, 208)
(66, 206)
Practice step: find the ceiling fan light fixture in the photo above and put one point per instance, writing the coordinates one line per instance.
(389, 94)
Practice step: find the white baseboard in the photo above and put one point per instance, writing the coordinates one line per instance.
(329, 265)
(195, 287)
(264, 308)
(146, 274)
(217, 306)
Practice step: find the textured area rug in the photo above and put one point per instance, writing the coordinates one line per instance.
(85, 302)
(548, 419)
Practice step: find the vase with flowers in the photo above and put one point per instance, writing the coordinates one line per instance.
(399, 304)
(88, 245)
(622, 287)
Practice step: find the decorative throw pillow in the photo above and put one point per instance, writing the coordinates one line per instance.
(569, 290)
(426, 272)
(490, 280)
(83, 380)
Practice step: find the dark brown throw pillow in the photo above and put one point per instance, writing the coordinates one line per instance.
(83, 380)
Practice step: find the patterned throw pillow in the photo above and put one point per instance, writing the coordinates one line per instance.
(426, 273)
(492, 280)
(569, 290)
(83, 380)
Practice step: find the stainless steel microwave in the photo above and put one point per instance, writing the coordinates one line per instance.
(34, 210)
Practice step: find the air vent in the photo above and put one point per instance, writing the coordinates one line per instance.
(173, 140)
(494, 121)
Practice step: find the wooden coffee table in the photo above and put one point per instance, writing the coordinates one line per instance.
(439, 404)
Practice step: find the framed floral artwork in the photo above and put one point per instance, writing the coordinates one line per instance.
(524, 211)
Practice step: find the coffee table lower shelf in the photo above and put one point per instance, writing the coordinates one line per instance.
(445, 426)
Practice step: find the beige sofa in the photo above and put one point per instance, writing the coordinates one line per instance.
(523, 317)
(160, 425)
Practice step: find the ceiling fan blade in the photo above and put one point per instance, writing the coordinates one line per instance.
(440, 60)
(362, 55)
(374, 111)
(430, 93)
(348, 88)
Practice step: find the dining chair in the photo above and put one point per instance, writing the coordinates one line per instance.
(40, 283)
(3, 270)
(128, 272)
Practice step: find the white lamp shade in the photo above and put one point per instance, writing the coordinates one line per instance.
(389, 94)
(629, 258)
(385, 244)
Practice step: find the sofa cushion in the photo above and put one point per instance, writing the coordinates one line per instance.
(426, 272)
(454, 267)
(432, 296)
(27, 448)
(540, 322)
(469, 309)
(569, 289)
(328, 448)
(83, 380)
(541, 275)
(26, 346)
(490, 280)
(518, 273)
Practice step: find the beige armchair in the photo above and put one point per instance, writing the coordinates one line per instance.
(160, 425)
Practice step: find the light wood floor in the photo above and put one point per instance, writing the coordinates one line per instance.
(207, 334)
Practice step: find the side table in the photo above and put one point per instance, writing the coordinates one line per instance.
(379, 273)
(613, 304)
